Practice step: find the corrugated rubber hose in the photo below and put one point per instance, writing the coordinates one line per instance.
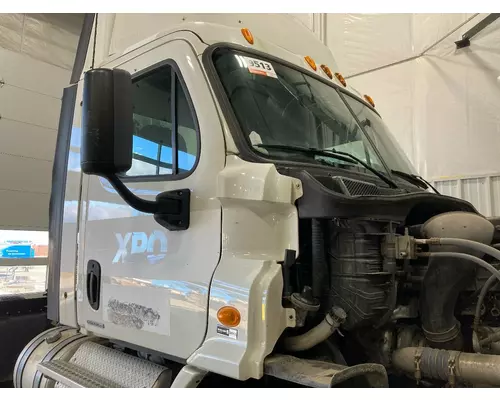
(449, 365)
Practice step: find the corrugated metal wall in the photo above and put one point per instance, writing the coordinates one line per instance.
(482, 191)
(36, 56)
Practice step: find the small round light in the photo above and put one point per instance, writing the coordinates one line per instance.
(327, 71)
(311, 62)
(229, 316)
(340, 79)
(369, 100)
(247, 35)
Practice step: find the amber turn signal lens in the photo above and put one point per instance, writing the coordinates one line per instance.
(311, 62)
(229, 316)
(369, 100)
(341, 79)
(247, 35)
(327, 71)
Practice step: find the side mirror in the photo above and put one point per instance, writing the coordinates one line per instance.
(107, 123)
(107, 134)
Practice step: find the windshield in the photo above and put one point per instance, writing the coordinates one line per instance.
(279, 106)
(380, 135)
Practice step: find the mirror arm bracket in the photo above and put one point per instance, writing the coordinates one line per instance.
(170, 209)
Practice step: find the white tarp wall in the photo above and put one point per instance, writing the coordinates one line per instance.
(442, 106)
(36, 56)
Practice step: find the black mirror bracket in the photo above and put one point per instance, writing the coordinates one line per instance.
(173, 209)
(170, 209)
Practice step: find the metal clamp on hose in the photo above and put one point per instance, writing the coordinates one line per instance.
(452, 365)
(417, 360)
(336, 317)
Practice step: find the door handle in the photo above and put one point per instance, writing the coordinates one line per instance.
(93, 283)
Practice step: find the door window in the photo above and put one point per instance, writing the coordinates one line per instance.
(165, 138)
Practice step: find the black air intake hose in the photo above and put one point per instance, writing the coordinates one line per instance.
(318, 257)
(447, 276)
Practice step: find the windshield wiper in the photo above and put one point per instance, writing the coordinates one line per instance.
(415, 179)
(306, 150)
(340, 155)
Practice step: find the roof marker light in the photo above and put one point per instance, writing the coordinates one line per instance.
(311, 62)
(327, 71)
(369, 100)
(247, 35)
(340, 79)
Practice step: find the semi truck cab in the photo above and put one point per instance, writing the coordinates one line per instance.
(193, 167)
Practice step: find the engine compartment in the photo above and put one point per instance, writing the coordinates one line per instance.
(414, 301)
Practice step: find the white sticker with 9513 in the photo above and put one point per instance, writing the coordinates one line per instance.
(260, 67)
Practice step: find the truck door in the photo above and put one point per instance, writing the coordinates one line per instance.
(137, 281)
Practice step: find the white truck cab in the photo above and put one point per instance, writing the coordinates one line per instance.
(197, 156)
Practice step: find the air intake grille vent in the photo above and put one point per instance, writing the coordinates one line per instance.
(353, 187)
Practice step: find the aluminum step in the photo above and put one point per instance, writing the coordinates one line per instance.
(96, 366)
(73, 376)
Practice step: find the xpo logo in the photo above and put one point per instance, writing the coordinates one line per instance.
(153, 247)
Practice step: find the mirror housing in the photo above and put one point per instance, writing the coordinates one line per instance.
(107, 136)
(107, 122)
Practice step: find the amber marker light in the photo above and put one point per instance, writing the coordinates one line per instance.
(311, 62)
(247, 35)
(229, 316)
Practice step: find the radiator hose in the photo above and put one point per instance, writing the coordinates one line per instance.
(318, 334)
(448, 365)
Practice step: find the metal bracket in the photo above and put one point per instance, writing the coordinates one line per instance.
(400, 247)
(171, 209)
(178, 218)
(467, 36)
(291, 317)
(417, 360)
(406, 247)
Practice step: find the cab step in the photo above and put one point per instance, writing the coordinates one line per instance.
(73, 376)
(96, 366)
